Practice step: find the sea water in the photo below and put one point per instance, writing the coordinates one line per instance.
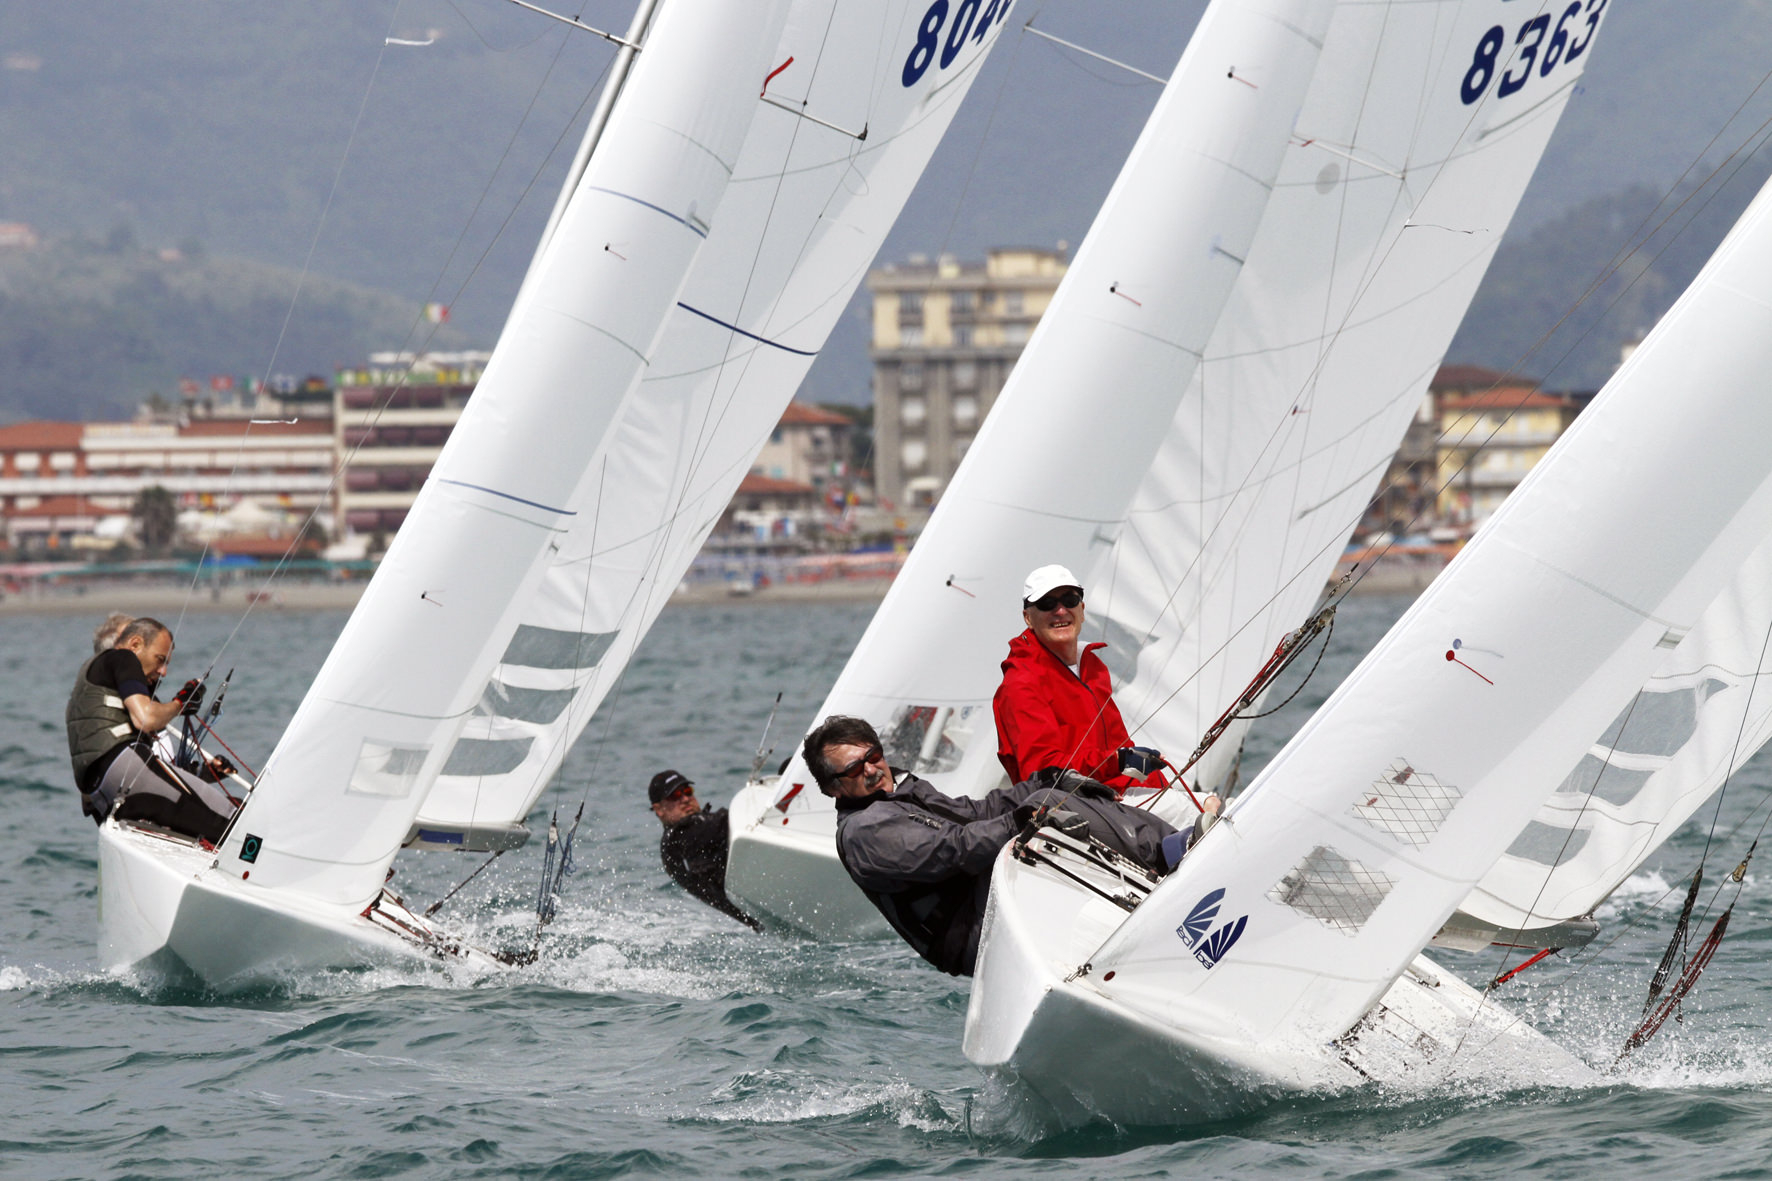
(655, 1038)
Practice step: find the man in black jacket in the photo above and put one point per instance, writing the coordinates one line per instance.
(693, 847)
(924, 858)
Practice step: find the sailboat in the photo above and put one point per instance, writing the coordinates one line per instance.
(1270, 958)
(1207, 407)
(747, 162)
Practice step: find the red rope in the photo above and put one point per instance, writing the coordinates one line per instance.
(1694, 968)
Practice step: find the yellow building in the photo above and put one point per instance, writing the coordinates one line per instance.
(1494, 428)
(945, 336)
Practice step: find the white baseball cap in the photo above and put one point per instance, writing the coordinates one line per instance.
(1045, 580)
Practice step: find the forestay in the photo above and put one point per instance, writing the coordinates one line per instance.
(340, 791)
(1053, 469)
(1353, 847)
(809, 204)
(1406, 166)
(1702, 715)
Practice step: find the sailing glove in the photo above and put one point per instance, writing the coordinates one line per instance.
(1030, 817)
(1080, 785)
(191, 696)
(1139, 760)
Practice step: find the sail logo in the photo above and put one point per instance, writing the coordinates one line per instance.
(1208, 945)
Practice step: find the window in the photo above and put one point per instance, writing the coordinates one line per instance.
(963, 303)
(966, 411)
(1015, 334)
(960, 445)
(910, 337)
(910, 377)
(1012, 303)
(913, 452)
(962, 336)
(912, 412)
(964, 375)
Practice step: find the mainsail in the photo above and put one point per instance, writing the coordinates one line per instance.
(859, 98)
(1424, 767)
(342, 787)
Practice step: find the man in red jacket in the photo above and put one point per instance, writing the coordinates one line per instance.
(1055, 707)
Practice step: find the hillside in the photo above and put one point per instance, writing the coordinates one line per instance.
(415, 147)
(1535, 312)
(89, 328)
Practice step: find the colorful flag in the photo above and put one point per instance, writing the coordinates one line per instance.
(437, 313)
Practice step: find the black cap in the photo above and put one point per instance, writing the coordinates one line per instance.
(664, 783)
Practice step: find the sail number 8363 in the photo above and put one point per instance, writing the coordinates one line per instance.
(1568, 41)
(930, 44)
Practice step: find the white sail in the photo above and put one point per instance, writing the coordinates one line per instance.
(1388, 203)
(809, 203)
(342, 787)
(1363, 834)
(1406, 167)
(1078, 423)
(1704, 713)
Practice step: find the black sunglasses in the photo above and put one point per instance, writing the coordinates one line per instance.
(873, 753)
(1071, 598)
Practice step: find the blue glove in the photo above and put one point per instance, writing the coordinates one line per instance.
(1139, 760)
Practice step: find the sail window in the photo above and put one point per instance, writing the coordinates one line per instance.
(1337, 891)
(1659, 723)
(540, 706)
(1547, 844)
(1606, 781)
(1407, 803)
(386, 770)
(546, 647)
(928, 739)
(487, 756)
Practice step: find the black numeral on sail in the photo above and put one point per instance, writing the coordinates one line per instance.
(964, 15)
(967, 19)
(1529, 41)
(928, 37)
(1476, 79)
(1525, 57)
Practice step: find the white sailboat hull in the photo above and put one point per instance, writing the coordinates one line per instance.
(1059, 1036)
(783, 868)
(159, 909)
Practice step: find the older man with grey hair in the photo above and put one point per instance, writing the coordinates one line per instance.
(112, 719)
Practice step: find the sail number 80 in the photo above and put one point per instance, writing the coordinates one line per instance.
(967, 19)
(1562, 47)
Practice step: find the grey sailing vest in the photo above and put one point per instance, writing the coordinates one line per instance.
(97, 722)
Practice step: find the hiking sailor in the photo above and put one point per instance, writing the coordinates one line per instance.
(924, 858)
(693, 847)
(1055, 707)
(112, 720)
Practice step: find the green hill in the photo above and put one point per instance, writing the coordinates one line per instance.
(87, 329)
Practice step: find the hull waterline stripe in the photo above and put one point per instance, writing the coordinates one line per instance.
(749, 335)
(564, 512)
(698, 231)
